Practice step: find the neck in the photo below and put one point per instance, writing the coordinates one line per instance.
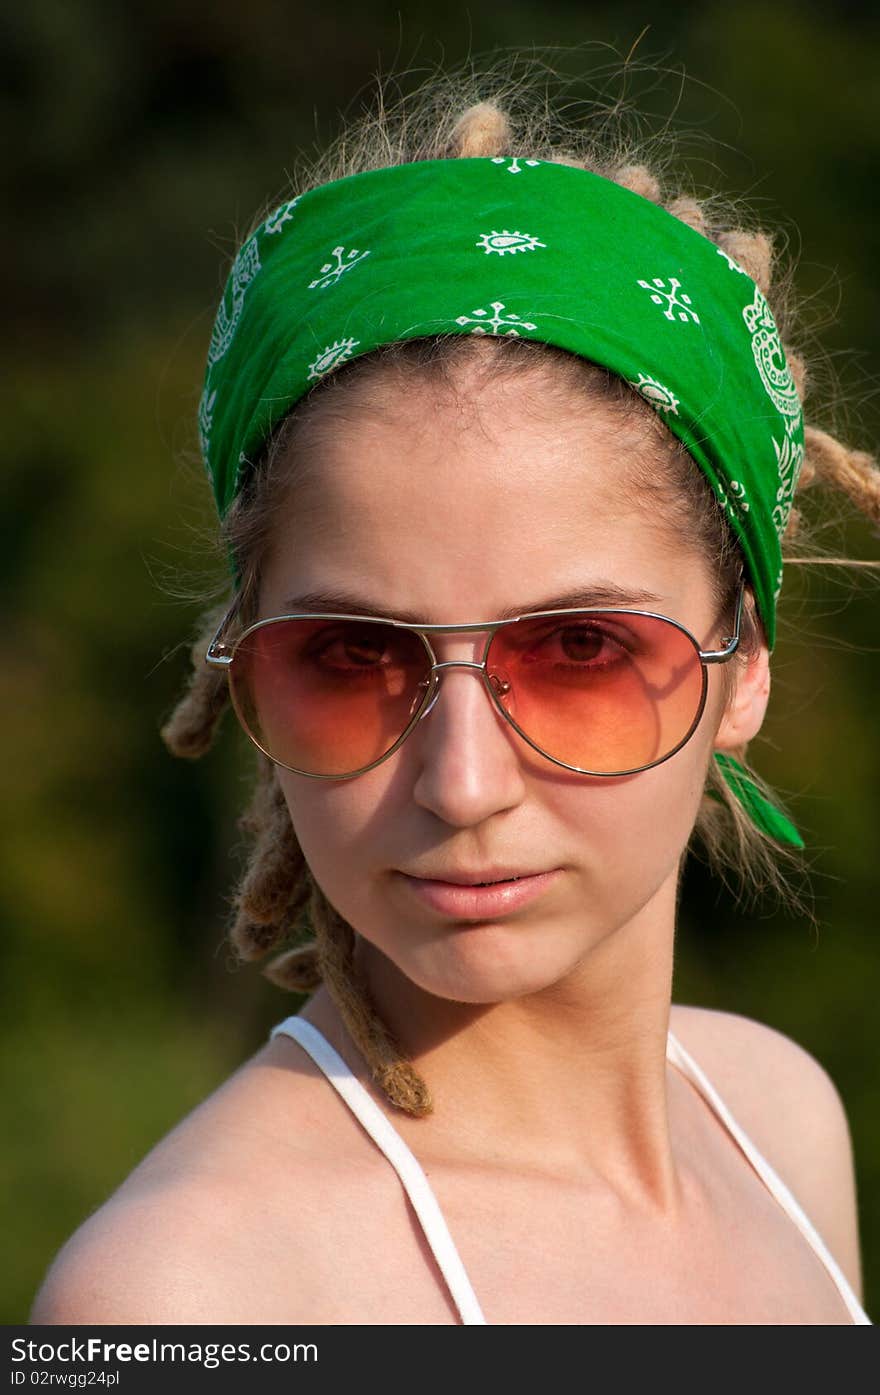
(570, 1081)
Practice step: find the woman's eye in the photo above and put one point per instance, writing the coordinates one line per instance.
(349, 647)
(583, 642)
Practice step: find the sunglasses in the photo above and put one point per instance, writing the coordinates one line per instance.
(597, 691)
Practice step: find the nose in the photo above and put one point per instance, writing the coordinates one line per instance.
(468, 769)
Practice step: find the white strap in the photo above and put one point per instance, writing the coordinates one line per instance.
(418, 1189)
(677, 1054)
(383, 1133)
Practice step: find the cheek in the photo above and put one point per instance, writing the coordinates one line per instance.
(338, 826)
(629, 834)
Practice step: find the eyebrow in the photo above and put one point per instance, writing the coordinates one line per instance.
(600, 593)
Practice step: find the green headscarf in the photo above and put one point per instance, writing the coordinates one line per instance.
(512, 246)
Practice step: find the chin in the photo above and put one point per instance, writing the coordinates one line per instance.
(483, 964)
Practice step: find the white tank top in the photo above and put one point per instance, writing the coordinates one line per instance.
(385, 1136)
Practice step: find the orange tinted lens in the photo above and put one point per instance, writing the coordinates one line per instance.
(328, 697)
(604, 691)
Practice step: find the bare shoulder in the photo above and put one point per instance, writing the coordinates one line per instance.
(246, 1185)
(138, 1259)
(790, 1107)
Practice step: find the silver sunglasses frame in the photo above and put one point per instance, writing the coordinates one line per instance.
(221, 655)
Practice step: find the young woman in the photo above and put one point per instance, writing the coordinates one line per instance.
(505, 444)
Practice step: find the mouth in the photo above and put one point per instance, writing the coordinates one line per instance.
(492, 876)
(480, 900)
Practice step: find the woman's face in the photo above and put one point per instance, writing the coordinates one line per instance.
(456, 512)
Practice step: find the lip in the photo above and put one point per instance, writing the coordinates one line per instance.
(479, 902)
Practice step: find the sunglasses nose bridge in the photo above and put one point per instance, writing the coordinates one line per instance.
(454, 663)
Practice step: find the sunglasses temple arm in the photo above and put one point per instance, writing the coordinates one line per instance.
(217, 652)
(731, 644)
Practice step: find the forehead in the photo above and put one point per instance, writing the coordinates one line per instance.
(435, 505)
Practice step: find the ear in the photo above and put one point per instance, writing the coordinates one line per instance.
(744, 714)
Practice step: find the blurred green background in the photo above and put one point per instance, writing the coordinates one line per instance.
(143, 139)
